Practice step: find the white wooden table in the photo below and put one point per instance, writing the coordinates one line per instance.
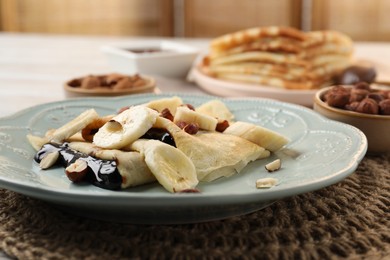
(34, 67)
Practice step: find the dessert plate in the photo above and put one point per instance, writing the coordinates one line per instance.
(226, 88)
(321, 153)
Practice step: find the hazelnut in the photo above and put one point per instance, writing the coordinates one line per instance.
(352, 106)
(384, 107)
(191, 128)
(90, 82)
(358, 94)
(337, 96)
(75, 83)
(368, 106)
(181, 124)
(112, 79)
(385, 93)
(378, 97)
(222, 125)
(189, 106)
(123, 83)
(139, 83)
(362, 85)
(122, 109)
(167, 114)
(77, 170)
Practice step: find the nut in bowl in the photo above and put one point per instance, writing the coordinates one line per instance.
(162, 58)
(361, 105)
(113, 84)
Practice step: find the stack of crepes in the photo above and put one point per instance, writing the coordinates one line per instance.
(281, 57)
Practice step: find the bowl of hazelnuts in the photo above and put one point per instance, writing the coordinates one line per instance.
(113, 84)
(362, 105)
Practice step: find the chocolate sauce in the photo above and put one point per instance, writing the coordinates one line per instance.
(101, 173)
(161, 135)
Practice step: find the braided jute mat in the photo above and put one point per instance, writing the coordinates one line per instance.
(349, 220)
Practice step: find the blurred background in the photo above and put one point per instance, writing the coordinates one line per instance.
(363, 20)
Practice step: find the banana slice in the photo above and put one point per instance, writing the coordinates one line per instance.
(125, 128)
(160, 104)
(264, 137)
(131, 165)
(171, 167)
(72, 127)
(205, 122)
(216, 108)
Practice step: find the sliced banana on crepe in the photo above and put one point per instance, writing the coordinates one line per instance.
(131, 165)
(72, 127)
(205, 122)
(170, 103)
(264, 137)
(64, 132)
(216, 108)
(171, 167)
(214, 154)
(125, 128)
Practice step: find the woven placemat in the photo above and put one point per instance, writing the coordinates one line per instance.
(348, 220)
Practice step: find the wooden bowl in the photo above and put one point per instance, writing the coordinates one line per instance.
(375, 127)
(73, 91)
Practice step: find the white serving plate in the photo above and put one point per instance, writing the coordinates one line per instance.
(321, 153)
(226, 88)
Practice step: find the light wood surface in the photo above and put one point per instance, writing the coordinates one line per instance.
(364, 20)
(33, 67)
(97, 17)
(204, 18)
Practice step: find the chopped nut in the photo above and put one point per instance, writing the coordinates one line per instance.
(167, 114)
(123, 109)
(191, 128)
(189, 106)
(49, 160)
(181, 124)
(77, 170)
(266, 183)
(273, 166)
(222, 125)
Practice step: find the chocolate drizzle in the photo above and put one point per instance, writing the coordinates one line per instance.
(101, 173)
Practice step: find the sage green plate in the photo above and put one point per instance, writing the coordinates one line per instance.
(321, 153)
